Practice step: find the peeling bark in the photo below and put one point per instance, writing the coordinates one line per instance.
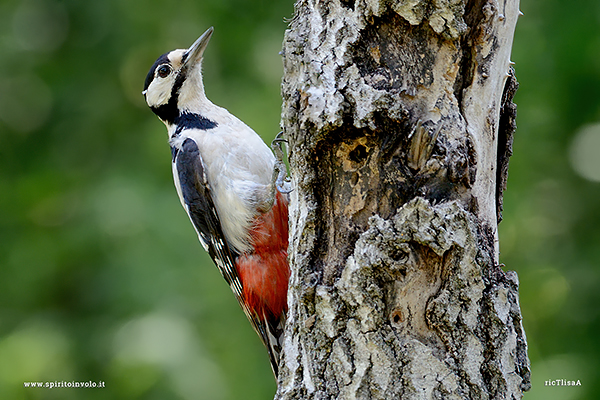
(399, 118)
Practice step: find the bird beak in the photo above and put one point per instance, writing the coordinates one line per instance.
(194, 54)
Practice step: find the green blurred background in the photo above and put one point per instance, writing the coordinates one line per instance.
(101, 274)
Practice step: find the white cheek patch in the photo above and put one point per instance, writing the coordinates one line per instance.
(159, 91)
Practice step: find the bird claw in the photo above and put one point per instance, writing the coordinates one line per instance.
(282, 182)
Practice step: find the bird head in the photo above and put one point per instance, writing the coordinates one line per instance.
(174, 83)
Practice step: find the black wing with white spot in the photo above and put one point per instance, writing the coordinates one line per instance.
(199, 205)
(195, 192)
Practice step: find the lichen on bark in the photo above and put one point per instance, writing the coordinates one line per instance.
(419, 311)
(399, 119)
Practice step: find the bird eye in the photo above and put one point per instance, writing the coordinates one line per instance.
(164, 70)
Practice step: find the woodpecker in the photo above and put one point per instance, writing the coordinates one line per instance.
(230, 184)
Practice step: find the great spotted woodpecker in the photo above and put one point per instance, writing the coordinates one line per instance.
(230, 185)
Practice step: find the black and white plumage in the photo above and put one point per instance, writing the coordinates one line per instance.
(197, 201)
(223, 173)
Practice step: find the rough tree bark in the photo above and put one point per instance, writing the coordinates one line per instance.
(399, 117)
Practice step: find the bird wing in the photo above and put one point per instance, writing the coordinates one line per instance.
(194, 190)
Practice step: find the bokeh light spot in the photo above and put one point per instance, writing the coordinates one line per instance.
(25, 103)
(40, 25)
(585, 152)
(35, 351)
(167, 342)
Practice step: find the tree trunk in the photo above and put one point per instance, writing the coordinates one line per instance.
(399, 118)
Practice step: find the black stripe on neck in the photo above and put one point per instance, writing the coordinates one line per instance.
(169, 112)
(188, 120)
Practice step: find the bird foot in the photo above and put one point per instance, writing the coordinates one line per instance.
(280, 179)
